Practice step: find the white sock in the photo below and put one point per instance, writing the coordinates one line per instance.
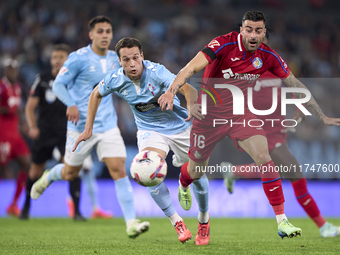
(183, 188)
(203, 217)
(280, 218)
(174, 218)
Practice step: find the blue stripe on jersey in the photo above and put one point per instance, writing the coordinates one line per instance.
(226, 44)
(274, 56)
(244, 55)
(251, 58)
(271, 180)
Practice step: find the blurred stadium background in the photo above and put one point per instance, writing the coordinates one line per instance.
(305, 33)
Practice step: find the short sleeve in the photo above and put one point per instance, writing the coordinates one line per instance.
(69, 70)
(164, 76)
(279, 66)
(108, 84)
(213, 49)
(36, 88)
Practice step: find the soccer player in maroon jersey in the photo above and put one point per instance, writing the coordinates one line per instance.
(237, 59)
(12, 144)
(279, 152)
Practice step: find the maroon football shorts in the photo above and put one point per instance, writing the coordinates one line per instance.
(12, 147)
(204, 136)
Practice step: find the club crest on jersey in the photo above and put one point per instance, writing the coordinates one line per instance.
(63, 70)
(213, 43)
(197, 154)
(257, 63)
(151, 89)
(50, 96)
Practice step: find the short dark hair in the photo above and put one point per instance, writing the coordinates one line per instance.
(99, 19)
(63, 47)
(253, 16)
(128, 42)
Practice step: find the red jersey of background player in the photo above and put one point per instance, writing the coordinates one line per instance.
(231, 63)
(10, 97)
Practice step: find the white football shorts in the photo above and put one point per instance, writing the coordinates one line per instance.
(109, 144)
(178, 143)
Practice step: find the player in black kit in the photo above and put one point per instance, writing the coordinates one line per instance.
(48, 129)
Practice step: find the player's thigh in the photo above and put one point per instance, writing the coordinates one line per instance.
(179, 144)
(5, 152)
(281, 156)
(151, 139)
(203, 140)
(257, 147)
(110, 144)
(76, 158)
(116, 167)
(21, 153)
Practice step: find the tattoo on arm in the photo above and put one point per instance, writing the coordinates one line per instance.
(186, 78)
(311, 105)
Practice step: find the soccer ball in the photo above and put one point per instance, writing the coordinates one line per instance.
(148, 168)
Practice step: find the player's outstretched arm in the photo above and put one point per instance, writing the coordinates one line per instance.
(92, 108)
(194, 66)
(312, 105)
(191, 96)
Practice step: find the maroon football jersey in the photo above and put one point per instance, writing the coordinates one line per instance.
(10, 97)
(230, 63)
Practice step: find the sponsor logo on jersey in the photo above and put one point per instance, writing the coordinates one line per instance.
(234, 59)
(197, 154)
(213, 43)
(63, 70)
(124, 93)
(50, 97)
(147, 107)
(92, 69)
(257, 63)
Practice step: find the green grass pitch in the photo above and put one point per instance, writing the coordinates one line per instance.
(228, 236)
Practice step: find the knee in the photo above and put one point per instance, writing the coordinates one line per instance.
(118, 166)
(262, 158)
(196, 175)
(35, 171)
(69, 175)
(117, 169)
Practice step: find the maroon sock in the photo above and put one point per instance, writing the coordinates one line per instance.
(271, 182)
(307, 202)
(185, 178)
(20, 185)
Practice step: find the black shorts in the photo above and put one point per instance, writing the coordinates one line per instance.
(42, 148)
